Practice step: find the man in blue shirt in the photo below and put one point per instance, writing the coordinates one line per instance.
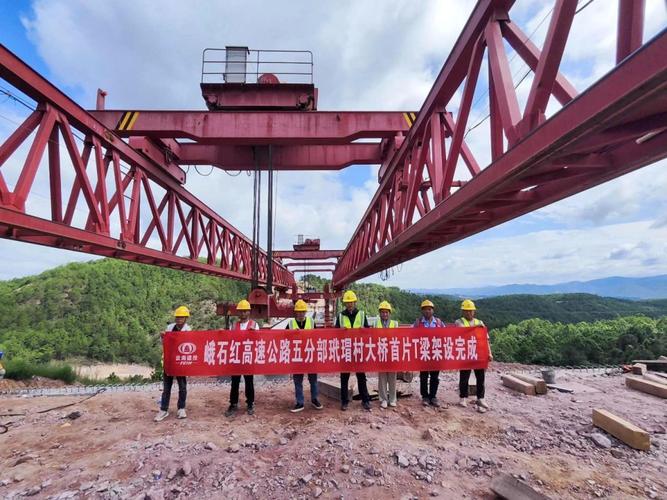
(428, 381)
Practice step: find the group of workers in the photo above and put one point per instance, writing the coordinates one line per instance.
(350, 317)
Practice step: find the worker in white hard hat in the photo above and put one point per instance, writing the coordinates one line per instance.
(303, 322)
(180, 324)
(428, 380)
(351, 317)
(386, 380)
(467, 318)
(246, 324)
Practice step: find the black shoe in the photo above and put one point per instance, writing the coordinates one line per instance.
(316, 404)
(426, 401)
(366, 405)
(231, 411)
(297, 408)
(343, 406)
(251, 409)
(434, 402)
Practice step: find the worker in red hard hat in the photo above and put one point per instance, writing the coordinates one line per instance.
(246, 324)
(429, 380)
(181, 315)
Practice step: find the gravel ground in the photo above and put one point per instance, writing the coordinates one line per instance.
(115, 450)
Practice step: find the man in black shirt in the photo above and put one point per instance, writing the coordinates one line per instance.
(351, 317)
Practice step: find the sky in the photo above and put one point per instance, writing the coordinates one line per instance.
(368, 56)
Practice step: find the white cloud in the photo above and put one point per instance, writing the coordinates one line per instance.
(367, 56)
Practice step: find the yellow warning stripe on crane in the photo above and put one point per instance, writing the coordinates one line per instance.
(410, 118)
(127, 120)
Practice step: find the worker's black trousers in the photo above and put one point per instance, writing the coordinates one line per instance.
(249, 389)
(361, 382)
(464, 378)
(428, 391)
(167, 382)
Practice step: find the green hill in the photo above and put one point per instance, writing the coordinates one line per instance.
(112, 310)
(107, 310)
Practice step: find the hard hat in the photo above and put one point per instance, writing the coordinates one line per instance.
(384, 306)
(349, 296)
(300, 306)
(426, 303)
(243, 305)
(468, 305)
(182, 312)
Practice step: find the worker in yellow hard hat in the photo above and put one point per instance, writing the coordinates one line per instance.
(429, 380)
(351, 317)
(468, 311)
(180, 324)
(386, 380)
(303, 322)
(244, 323)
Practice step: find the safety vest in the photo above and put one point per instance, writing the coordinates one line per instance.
(310, 324)
(475, 322)
(251, 325)
(392, 324)
(344, 321)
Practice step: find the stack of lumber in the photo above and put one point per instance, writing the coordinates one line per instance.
(526, 384)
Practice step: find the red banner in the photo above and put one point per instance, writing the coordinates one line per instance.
(325, 350)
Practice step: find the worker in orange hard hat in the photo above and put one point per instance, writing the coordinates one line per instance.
(181, 315)
(244, 323)
(296, 324)
(468, 311)
(428, 381)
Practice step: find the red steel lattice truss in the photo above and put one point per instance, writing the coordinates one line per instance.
(434, 189)
(191, 237)
(612, 128)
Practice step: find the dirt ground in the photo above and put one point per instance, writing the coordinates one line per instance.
(115, 450)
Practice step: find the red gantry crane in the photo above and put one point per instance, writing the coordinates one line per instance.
(116, 187)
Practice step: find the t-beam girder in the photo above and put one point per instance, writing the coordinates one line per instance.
(617, 125)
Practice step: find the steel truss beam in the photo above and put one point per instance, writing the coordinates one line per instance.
(134, 209)
(617, 125)
(256, 127)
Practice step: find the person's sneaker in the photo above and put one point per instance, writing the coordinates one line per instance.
(316, 404)
(425, 402)
(383, 404)
(181, 413)
(251, 409)
(366, 405)
(231, 411)
(481, 409)
(435, 403)
(463, 402)
(482, 404)
(343, 406)
(297, 408)
(161, 416)
(393, 404)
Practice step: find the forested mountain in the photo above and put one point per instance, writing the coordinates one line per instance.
(111, 310)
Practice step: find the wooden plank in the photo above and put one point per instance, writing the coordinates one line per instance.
(653, 378)
(658, 365)
(560, 388)
(540, 384)
(627, 432)
(662, 358)
(646, 386)
(506, 486)
(518, 385)
(639, 369)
